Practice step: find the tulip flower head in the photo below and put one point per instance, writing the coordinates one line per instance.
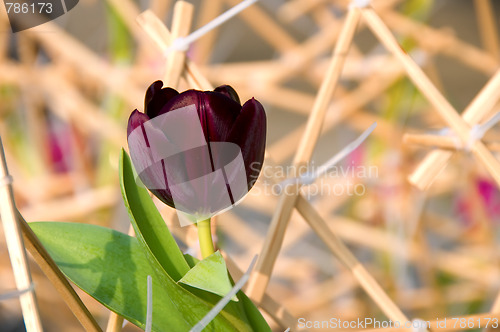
(199, 152)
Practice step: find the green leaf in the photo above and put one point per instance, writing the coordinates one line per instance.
(112, 268)
(210, 274)
(160, 247)
(149, 226)
(254, 316)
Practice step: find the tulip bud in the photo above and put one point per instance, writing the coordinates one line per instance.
(199, 152)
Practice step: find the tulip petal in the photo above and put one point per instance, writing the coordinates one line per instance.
(156, 98)
(228, 91)
(150, 92)
(216, 112)
(135, 120)
(249, 132)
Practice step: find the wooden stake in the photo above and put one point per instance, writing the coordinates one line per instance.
(160, 35)
(340, 109)
(56, 277)
(115, 322)
(435, 41)
(487, 26)
(17, 251)
(480, 107)
(266, 27)
(203, 48)
(292, 10)
(367, 282)
(447, 112)
(300, 57)
(64, 47)
(160, 7)
(441, 142)
(260, 277)
(181, 24)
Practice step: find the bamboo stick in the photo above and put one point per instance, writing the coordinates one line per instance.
(278, 313)
(160, 35)
(447, 112)
(442, 142)
(292, 10)
(299, 57)
(181, 24)
(425, 173)
(487, 26)
(160, 7)
(266, 27)
(73, 207)
(322, 294)
(340, 109)
(260, 277)
(435, 41)
(16, 249)
(239, 73)
(56, 277)
(367, 282)
(322, 17)
(64, 48)
(115, 322)
(209, 10)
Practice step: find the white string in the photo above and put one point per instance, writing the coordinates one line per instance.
(477, 132)
(309, 177)
(182, 43)
(149, 305)
(224, 301)
(457, 142)
(16, 293)
(6, 180)
(359, 3)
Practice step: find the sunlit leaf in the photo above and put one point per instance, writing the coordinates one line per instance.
(210, 274)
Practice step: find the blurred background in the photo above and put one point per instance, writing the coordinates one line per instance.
(68, 86)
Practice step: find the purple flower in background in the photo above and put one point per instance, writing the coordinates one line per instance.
(197, 151)
(489, 199)
(491, 196)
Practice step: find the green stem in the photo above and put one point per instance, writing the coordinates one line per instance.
(205, 238)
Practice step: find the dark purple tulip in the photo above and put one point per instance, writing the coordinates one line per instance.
(197, 151)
